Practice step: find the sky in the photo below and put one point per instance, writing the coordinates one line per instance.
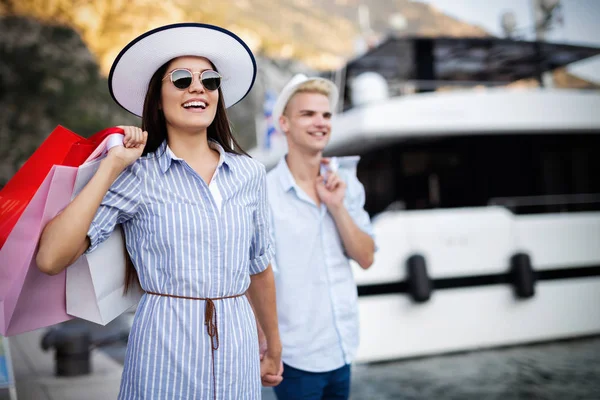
(581, 23)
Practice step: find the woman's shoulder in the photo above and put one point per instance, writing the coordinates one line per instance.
(136, 171)
(139, 165)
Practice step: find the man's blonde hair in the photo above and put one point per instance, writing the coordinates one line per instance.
(317, 86)
(314, 86)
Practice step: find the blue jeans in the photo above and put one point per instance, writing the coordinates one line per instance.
(303, 385)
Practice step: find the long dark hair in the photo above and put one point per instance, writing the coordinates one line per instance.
(153, 121)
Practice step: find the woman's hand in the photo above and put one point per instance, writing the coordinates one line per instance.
(133, 146)
(261, 294)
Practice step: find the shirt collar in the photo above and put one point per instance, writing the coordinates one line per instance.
(166, 156)
(286, 179)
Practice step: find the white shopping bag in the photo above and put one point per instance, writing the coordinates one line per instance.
(96, 281)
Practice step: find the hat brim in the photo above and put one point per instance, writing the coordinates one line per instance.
(290, 89)
(135, 65)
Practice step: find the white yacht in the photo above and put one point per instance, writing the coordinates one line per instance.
(482, 182)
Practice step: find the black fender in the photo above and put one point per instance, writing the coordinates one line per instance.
(419, 284)
(522, 276)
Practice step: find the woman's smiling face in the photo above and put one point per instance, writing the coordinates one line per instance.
(193, 108)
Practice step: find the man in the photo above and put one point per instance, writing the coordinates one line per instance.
(318, 224)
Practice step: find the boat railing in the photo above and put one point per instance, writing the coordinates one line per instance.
(412, 86)
(406, 87)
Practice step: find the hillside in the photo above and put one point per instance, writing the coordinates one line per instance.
(321, 34)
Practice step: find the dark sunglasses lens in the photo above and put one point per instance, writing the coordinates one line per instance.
(182, 78)
(211, 80)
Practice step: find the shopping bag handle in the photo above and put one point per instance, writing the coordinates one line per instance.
(114, 140)
(99, 136)
(110, 141)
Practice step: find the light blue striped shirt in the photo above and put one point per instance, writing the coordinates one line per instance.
(185, 243)
(316, 293)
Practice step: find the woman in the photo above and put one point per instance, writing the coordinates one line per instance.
(194, 213)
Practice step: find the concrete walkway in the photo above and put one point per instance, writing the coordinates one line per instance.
(35, 378)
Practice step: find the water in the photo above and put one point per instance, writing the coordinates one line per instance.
(566, 370)
(550, 371)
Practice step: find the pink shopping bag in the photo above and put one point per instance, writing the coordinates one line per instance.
(30, 299)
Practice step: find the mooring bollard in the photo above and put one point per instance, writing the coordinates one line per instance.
(72, 350)
(73, 344)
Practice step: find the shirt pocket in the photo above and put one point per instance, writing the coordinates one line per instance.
(181, 234)
(239, 225)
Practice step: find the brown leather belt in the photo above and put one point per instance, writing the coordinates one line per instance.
(210, 320)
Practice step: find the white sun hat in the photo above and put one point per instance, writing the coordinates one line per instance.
(290, 89)
(133, 68)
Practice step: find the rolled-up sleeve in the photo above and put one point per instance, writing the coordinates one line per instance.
(261, 248)
(355, 204)
(120, 204)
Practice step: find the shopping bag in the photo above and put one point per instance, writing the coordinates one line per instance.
(61, 147)
(30, 299)
(96, 281)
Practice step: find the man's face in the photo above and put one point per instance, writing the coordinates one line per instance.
(307, 122)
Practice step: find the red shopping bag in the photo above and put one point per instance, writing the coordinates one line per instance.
(61, 147)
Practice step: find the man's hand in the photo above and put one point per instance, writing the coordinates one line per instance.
(332, 190)
(271, 370)
(268, 380)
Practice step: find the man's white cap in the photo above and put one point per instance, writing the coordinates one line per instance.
(290, 89)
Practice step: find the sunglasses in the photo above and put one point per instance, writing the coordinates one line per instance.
(182, 78)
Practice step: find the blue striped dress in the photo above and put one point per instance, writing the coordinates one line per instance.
(188, 239)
